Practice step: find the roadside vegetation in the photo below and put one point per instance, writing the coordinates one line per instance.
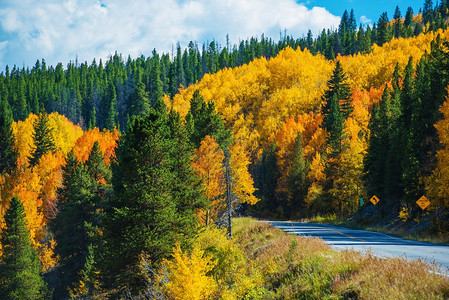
(295, 267)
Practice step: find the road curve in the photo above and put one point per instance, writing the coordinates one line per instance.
(361, 240)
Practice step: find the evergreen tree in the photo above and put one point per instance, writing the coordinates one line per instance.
(93, 118)
(397, 27)
(139, 103)
(352, 23)
(383, 29)
(428, 12)
(203, 120)
(8, 151)
(393, 186)
(110, 112)
(155, 83)
(408, 17)
(333, 123)
(381, 177)
(19, 103)
(96, 166)
(337, 86)
(344, 22)
(266, 181)
(76, 226)
(297, 181)
(153, 207)
(20, 268)
(42, 137)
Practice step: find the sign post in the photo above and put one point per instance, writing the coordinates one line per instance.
(374, 200)
(423, 202)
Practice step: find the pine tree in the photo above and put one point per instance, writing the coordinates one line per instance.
(379, 145)
(266, 181)
(408, 17)
(333, 123)
(155, 85)
(110, 117)
(397, 27)
(20, 268)
(352, 23)
(93, 118)
(383, 29)
(154, 200)
(42, 137)
(76, 226)
(296, 180)
(139, 103)
(96, 166)
(203, 120)
(8, 151)
(337, 86)
(428, 12)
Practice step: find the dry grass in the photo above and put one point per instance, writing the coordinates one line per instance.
(295, 267)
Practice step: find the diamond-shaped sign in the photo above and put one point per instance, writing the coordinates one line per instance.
(423, 202)
(374, 200)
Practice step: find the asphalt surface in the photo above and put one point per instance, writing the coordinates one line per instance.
(380, 244)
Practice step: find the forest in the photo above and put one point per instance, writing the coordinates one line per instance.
(119, 179)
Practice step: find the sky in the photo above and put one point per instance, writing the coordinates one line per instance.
(63, 30)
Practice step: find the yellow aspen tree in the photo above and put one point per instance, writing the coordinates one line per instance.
(187, 275)
(208, 163)
(243, 183)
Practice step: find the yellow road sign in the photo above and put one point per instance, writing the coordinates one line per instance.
(423, 202)
(374, 200)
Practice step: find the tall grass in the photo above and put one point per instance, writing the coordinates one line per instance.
(295, 267)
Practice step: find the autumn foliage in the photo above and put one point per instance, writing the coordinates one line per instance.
(36, 187)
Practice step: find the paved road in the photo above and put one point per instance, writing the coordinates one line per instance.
(381, 244)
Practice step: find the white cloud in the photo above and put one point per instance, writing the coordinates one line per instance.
(364, 20)
(59, 30)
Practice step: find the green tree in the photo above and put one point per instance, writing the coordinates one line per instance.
(153, 204)
(397, 26)
(202, 120)
(297, 180)
(110, 109)
(383, 29)
(333, 123)
(155, 85)
(8, 151)
(43, 140)
(337, 86)
(20, 269)
(139, 103)
(96, 166)
(77, 225)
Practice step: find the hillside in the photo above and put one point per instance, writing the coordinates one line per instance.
(121, 179)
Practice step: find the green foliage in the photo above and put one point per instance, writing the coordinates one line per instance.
(296, 181)
(266, 179)
(20, 269)
(333, 124)
(155, 197)
(96, 166)
(203, 120)
(296, 267)
(139, 104)
(338, 87)
(8, 151)
(383, 29)
(43, 140)
(77, 225)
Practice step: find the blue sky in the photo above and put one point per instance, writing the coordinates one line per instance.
(370, 9)
(61, 30)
